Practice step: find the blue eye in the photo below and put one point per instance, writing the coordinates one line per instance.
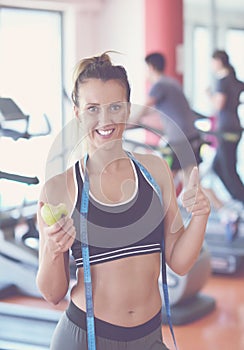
(115, 107)
(93, 109)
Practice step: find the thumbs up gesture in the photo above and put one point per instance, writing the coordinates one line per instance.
(194, 199)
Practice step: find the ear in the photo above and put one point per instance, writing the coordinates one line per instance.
(76, 111)
(128, 109)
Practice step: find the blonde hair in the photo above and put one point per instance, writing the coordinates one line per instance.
(98, 67)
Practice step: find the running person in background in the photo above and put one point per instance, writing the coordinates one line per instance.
(225, 99)
(126, 222)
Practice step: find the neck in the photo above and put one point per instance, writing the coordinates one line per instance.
(223, 72)
(156, 76)
(103, 160)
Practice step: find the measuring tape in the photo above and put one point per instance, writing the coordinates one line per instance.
(91, 340)
(86, 260)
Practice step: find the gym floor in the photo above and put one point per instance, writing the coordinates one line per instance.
(222, 329)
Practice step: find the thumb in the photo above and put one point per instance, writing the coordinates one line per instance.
(194, 178)
(41, 204)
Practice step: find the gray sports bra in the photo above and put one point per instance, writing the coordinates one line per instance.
(119, 231)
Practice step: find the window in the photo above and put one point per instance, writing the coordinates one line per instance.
(235, 49)
(201, 75)
(30, 70)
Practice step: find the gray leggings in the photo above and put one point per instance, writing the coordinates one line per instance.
(70, 336)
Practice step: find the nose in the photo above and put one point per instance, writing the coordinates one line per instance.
(104, 116)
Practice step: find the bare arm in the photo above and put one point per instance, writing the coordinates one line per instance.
(218, 100)
(182, 244)
(53, 272)
(185, 247)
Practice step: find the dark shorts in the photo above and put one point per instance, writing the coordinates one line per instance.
(70, 334)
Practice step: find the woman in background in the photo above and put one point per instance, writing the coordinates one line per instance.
(226, 99)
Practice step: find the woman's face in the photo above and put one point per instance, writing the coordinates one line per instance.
(103, 111)
(216, 65)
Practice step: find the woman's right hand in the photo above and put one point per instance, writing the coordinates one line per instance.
(60, 236)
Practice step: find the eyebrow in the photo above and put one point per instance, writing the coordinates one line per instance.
(98, 104)
(92, 104)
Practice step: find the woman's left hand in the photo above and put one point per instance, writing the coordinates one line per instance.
(194, 199)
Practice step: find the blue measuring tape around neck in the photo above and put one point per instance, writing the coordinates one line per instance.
(91, 339)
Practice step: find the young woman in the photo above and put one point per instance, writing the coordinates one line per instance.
(226, 99)
(125, 222)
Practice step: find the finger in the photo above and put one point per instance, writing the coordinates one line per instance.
(64, 247)
(195, 195)
(189, 203)
(67, 239)
(193, 179)
(188, 195)
(200, 211)
(66, 229)
(57, 226)
(68, 226)
(200, 207)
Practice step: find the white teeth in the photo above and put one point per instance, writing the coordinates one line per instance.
(105, 132)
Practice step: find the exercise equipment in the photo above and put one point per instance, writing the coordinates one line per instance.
(18, 261)
(10, 112)
(25, 327)
(21, 327)
(226, 245)
(225, 240)
(187, 302)
(18, 255)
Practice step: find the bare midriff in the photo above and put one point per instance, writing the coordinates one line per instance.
(125, 291)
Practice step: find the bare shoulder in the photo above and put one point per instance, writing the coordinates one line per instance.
(157, 167)
(59, 189)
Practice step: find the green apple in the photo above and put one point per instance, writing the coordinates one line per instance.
(52, 213)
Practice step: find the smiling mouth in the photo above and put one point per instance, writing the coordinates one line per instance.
(107, 132)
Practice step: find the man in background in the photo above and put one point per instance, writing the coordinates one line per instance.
(167, 97)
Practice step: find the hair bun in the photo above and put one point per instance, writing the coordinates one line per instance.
(104, 58)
